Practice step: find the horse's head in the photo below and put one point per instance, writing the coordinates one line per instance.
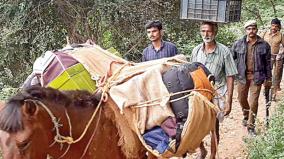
(20, 118)
(29, 118)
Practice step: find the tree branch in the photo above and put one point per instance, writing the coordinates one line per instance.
(255, 12)
(273, 7)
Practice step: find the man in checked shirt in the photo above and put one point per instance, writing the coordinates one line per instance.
(219, 60)
(158, 48)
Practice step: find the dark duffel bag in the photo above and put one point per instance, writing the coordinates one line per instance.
(178, 79)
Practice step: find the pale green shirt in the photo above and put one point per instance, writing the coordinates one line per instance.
(220, 63)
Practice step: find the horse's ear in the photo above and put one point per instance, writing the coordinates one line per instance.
(30, 108)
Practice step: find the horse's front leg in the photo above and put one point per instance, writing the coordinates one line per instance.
(213, 145)
(203, 151)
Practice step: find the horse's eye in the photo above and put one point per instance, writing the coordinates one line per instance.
(23, 145)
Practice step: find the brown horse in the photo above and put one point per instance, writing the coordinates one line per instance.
(32, 116)
(29, 124)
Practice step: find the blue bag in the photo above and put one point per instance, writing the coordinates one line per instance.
(157, 139)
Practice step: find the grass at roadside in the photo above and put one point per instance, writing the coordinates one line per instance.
(269, 145)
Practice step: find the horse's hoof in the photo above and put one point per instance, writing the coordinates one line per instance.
(212, 157)
(202, 155)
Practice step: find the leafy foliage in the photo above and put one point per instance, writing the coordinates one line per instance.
(7, 92)
(270, 144)
(30, 28)
(26, 33)
(262, 10)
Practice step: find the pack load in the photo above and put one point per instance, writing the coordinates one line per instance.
(68, 69)
(166, 102)
(59, 70)
(182, 78)
(200, 121)
(150, 90)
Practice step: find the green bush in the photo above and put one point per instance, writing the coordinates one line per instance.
(269, 145)
(7, 92)
(227, 35)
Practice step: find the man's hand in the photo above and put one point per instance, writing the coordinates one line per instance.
(227, 109)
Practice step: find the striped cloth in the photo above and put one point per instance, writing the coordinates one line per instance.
(220, 62)
(167, 49)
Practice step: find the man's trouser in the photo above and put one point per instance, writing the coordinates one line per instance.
(249, 107)
(277, 65)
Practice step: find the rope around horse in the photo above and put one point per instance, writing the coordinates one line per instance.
(67, 139)
(105, 86)
(146, 103)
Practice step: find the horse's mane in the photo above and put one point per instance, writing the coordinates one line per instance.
(11, 115)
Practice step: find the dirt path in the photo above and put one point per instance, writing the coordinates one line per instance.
(232, 132)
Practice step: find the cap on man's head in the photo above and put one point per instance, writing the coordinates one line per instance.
(276, 21)
(250, 23)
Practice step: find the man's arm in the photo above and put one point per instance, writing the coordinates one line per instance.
(175, 50)
(230, 86)
(144, 55)
(268, 63)
(193, 55)
(234, 54)
(268, 68)
(231, 70)
(282, 39)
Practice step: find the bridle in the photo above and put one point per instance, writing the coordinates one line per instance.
(58, 138)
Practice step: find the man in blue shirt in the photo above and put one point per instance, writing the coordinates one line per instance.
(158, 48)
